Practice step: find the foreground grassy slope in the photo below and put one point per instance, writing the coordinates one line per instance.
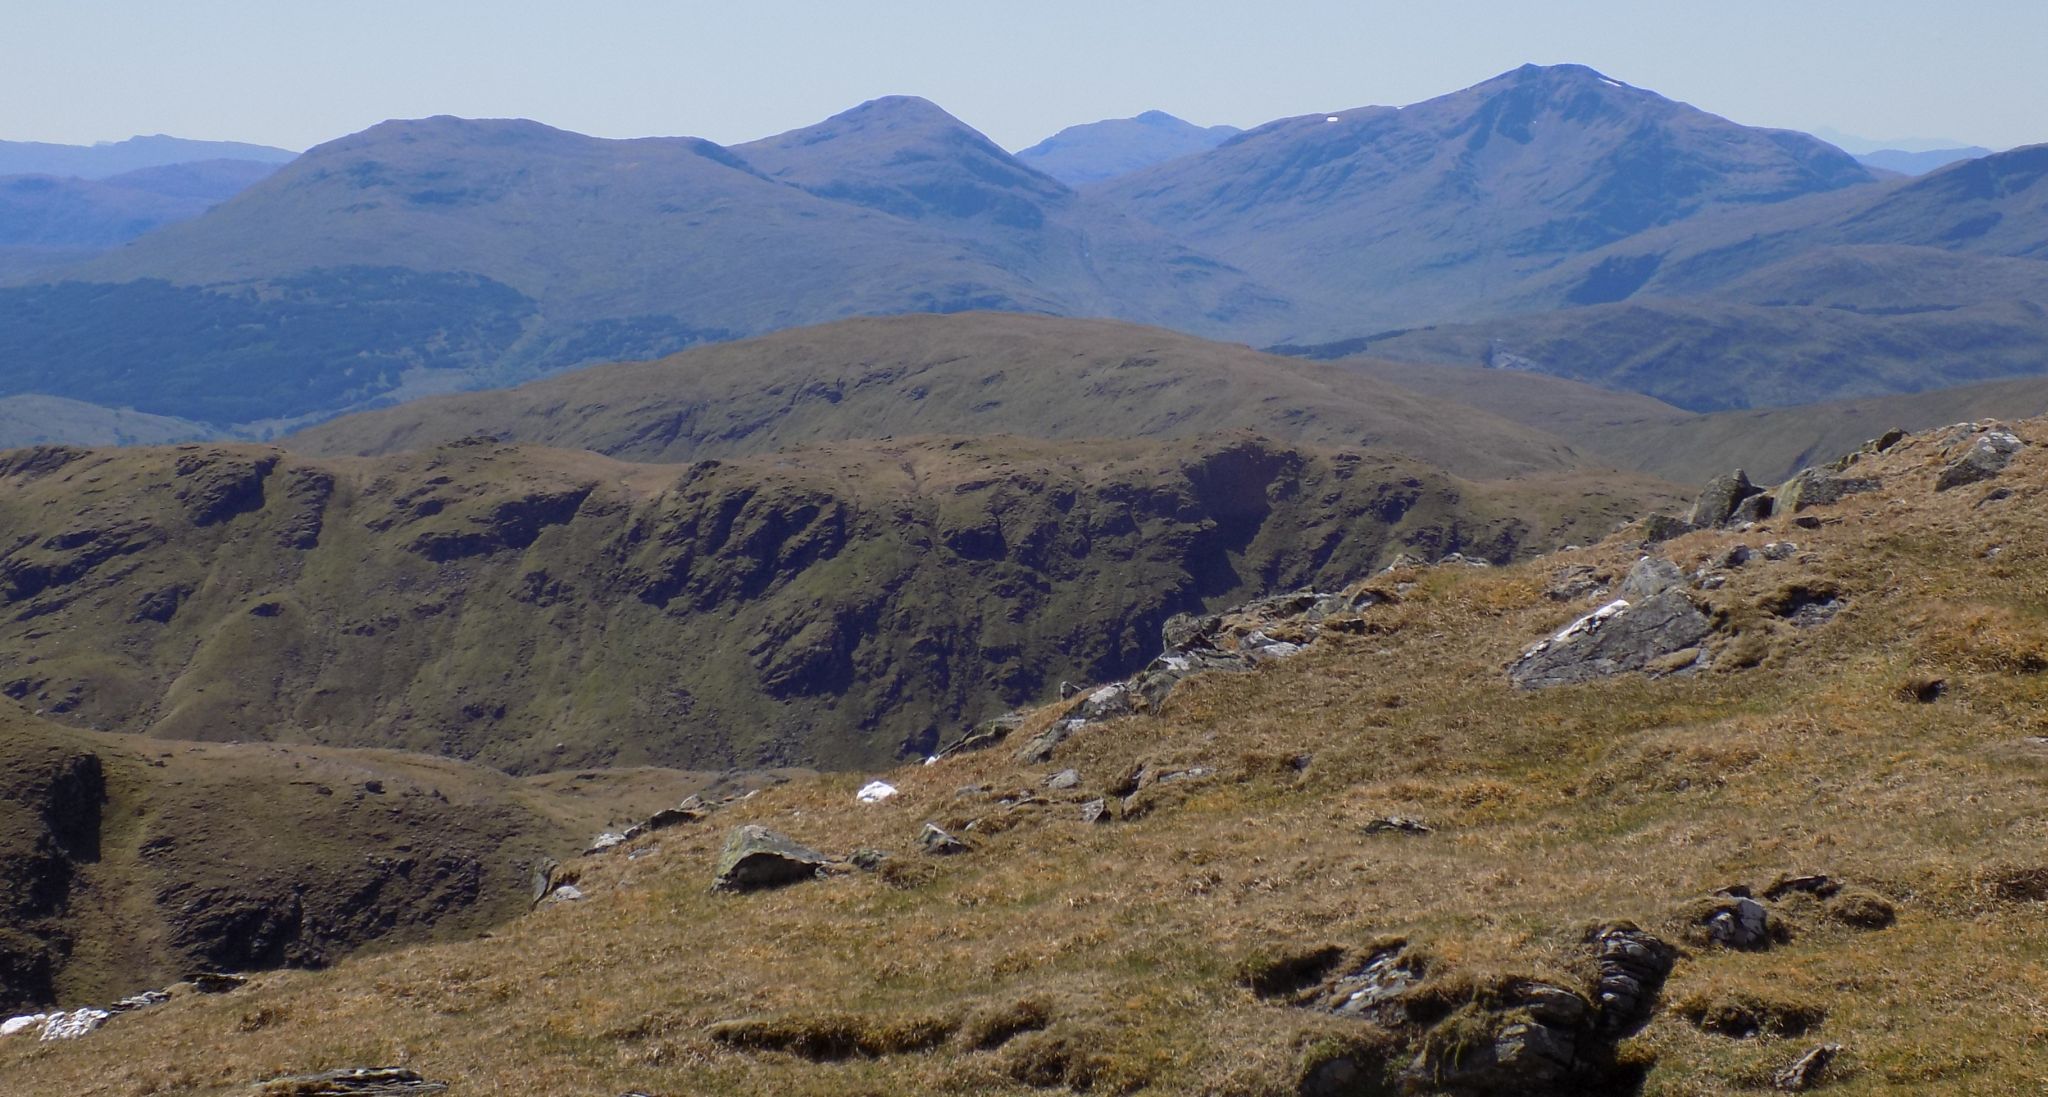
(978, 373)
(131, 863)
(538, 609)
(1109, 957)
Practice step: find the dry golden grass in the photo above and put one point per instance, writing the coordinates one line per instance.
(1116, 958)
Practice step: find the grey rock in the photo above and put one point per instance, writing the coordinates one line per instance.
(1650, 577)
(353, 1082)
(1813, 487)
(868, 860)
(1756, 508)
(1717, 502)
(1632, 966)
(1618, 637)
(937, 842)
(755, 857)
(72, 1025)
(139, 1001)
(1397, 824)
(1039, 750)
(1780, 550)
(1807, 1071)
(1064, 779)
(1185, 631)
(1095, 811)
(1742, 923)
(1192, 773)
(567, 893)
(544, 878)
(1987, 457)
(1385, 976)
(1663, 527)
(986, 734)
(1572, 584)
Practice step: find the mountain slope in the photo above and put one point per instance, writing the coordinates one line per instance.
(535, 608)
(44, 211)
(110, 158)
(1383, 822)
(970, 374)
(1097, 151)
(584, 250)
(1919, 163)
(1382, 215)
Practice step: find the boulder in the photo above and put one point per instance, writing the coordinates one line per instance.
(1987, 457)
(1572, 583)
(874, 792)
(1737, 922)
(755, 857)
(1718, 501)
(1813, 487)
(1756, 508)
(984, 735)
(1039, 750)
(1650, 577)
(1663, 527)
(939, 843)
(1064, 780)
(1397, 824)
(1618, 637)
(1095, 811)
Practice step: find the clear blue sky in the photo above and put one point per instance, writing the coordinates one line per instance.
(297, 72)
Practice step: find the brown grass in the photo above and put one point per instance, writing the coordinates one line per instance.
(1145, 940)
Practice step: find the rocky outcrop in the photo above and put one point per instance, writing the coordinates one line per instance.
(1500, 1037)
(755, 857)
(1618, 637)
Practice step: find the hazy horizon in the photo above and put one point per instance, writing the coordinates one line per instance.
(1879, 69)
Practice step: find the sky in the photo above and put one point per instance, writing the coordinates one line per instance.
(298, 72)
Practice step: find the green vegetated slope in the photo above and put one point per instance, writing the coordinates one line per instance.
(537, 608)
(1870, 714)
(971, 374)
(130, 863)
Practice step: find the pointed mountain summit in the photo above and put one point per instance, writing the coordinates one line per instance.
(905, 156)
(1097, 151)
(1400, 214)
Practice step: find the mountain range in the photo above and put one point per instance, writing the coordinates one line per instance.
(443, 254)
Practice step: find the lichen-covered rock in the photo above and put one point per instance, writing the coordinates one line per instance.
(1632, 968)
(1987, 456)
(1618, 637)
(755, 857)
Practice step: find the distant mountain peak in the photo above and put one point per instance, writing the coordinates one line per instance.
(1096, 151)
(906, 156)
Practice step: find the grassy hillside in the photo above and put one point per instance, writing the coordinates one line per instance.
(973, 374)
(536, 609)
(1180, 947)
(132, 863)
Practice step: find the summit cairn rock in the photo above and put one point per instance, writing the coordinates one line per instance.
(755, 858)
